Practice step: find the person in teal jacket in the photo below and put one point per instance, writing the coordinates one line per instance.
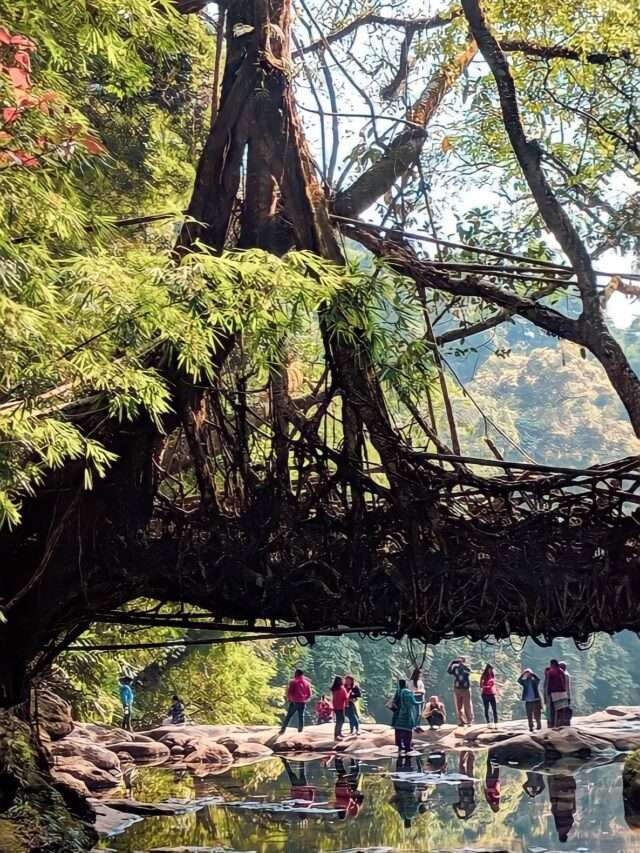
(126, 697)
(405, 708)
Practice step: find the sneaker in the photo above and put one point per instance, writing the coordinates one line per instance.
(282, 731)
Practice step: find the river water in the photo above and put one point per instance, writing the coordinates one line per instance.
(423, 803)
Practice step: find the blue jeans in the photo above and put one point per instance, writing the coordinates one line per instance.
(354, 720)
(295, 707)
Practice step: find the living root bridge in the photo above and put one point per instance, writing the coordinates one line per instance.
(540, 557)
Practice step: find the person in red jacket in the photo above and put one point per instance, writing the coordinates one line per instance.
(340, 700)
(488, 691)
(298, 694)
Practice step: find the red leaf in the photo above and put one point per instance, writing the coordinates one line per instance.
(22, 158)
(23, 41)
(23, 59)
(5, 38)
(93, 146)
(9, 114)
(19, 78)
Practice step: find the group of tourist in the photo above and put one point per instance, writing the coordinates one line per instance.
(343, 705)
(177, 710)
(410, 708)
(556, 694)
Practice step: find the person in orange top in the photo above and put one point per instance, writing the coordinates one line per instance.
(340, 700)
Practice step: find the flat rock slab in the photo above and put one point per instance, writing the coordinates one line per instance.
(111, 821)
(145, 809)
(196, 850)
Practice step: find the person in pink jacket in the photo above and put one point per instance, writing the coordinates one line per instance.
(488, 691)
(298, 694)
(340, 701)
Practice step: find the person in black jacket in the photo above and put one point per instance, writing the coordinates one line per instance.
(351, 711)
(530, 683)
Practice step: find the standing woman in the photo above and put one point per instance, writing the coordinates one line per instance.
(404, 715)
(488, 692)
(340, 701)
(416, 685)
(353, 689)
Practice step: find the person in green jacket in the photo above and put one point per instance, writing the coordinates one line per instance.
(405, 715)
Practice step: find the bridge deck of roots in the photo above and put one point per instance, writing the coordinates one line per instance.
(449, 553)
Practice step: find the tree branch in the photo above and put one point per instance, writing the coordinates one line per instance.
(556, 51)
(590, 329)
(463, 332)
(406, 147)
(528, 155)
(414, 24)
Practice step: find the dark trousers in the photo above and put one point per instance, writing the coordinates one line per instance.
(534, 712)
(126, 718)
(403, 739)
(339, 723)
(354, 721)
(435, 718)
(295, 707)
(489, 701)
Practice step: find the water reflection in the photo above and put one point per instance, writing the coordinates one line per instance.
(466, 804)
(562, 794)
(433, 801)
(408, 798)
(348, 790)
(492, 785)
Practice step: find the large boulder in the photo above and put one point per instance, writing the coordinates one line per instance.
(66, 780)
(53, 715)
(95, 778)
(95, 753)
(519, 749)
(623, 741)
(204, 731)
(631, 790)
(629, 711)
(570, 741)
(185, 739)
(248, 749)
(142, 750)
(209, 752)
(301, 742)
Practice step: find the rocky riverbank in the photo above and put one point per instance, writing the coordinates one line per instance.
(92, 759)
(96, 762)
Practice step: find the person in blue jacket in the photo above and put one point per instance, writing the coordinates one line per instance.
(126, 697)
(405, 708)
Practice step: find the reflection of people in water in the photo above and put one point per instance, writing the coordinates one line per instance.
(348, 793)
(562, 793)
(492, 785)
(437, 761)
(534, 784)
(408, 797)
(466, 804)
(300, 788)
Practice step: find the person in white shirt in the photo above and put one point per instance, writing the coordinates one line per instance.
(416, 685)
